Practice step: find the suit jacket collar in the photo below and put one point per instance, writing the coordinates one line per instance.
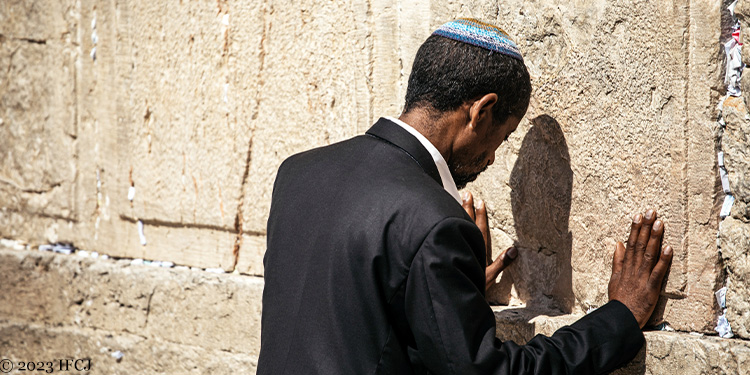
(389, 132)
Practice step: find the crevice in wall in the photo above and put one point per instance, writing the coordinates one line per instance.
(3, 38)
(686, 145)
(23, 189)
(7, 71)
(731, 108)
(370, 42)
(399, 43)
(40, 214)
(170, 224)
(239, 219)
(148, 307)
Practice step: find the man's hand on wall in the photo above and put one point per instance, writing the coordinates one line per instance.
(479, 215)
(638, 269)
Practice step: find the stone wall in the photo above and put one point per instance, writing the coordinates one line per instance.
(734, 231)
(127, 319)
(138, 319)
(172, 116)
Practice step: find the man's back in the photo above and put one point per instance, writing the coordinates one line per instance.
(361, 208)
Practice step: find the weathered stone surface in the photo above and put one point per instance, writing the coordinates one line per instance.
(195, 308)
(37, 113)
(31, 342)
(180, 321)
(664, 352)
(742, 13)
(252, 249)
(195, 104)
(734, 238)
(185, 146)
(316, 89)
(612, 130)
(734, 231)
(735, 142)
(38, 22)
(168, 110)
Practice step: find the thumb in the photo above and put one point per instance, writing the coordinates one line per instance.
(502, 262)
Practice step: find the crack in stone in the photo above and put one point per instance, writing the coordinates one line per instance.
(31, 40)
(41, 214)
(370, 40)
(3, 38)
(148, 307)
(239, 219)
(23, 189)
(170, 224)
(686, 146)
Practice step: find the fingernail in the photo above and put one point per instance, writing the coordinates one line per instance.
(668, 250)
(480, 204)
(657, 225)
(512, 253)
(464, 196)
(649, 214)
(637, 219)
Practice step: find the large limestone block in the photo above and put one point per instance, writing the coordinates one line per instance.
(387, 63)
(187, 142)
(195, 308)
(663, 353)
(741, 12)
(37, 115)
(185, 149)
(219, 312)
(252, 250)
(167, 114)
(115, 353)
(735, 230)
(316, 88)
(734, 238)
(609, 133)
(36, 21)
(735, 143)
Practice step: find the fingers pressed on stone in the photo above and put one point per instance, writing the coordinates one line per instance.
(480, 214)
(507, 257)
(501, 263)
(618, 259)
(644, 234)
(651, 255)
(468, 204)
(661, 268)
(492, 271)
(483, 224)
(496, 267)
(635, 228)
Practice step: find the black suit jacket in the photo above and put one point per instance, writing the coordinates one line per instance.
(373, 268)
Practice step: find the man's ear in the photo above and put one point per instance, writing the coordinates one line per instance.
(480, 111)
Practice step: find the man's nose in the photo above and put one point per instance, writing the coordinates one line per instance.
(492, 159)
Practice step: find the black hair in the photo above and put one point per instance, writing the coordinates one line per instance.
(447, 73)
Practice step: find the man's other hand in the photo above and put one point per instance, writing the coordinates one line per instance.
(638, 269)
(479, 215)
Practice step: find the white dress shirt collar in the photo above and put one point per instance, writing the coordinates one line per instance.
(445, 174)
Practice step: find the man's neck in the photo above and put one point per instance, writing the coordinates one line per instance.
(439, 131)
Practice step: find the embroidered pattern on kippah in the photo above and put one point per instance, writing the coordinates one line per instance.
(480, 34)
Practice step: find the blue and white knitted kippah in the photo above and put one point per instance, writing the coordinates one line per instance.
(480, 34)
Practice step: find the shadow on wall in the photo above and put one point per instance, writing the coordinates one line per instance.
(541, 186)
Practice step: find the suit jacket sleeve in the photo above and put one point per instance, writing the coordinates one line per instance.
(454, 327)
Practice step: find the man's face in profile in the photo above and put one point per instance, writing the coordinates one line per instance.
(466, 166)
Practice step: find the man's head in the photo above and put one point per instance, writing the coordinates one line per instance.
(469, 75)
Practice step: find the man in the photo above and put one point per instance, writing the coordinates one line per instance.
(376, 265)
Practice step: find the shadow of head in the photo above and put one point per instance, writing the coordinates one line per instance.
(541, 186)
